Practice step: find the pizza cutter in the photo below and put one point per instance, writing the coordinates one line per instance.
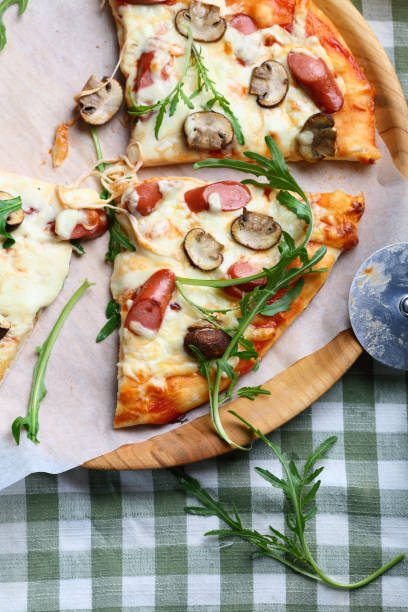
(378, 305)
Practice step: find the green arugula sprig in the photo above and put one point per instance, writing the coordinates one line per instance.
(22, 5)
(6, 208)
(113, 316)
(284, 275)
(38, 388)
(77, 247)
(117, 238)
(193, 59)
(171, 101)
(205, 82)
(300, 491)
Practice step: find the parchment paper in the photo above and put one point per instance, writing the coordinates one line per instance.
(51, 52)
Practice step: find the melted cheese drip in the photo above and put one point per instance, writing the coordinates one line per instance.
(240, 54)
(165, 228)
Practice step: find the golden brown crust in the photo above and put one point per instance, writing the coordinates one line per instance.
(337, 216)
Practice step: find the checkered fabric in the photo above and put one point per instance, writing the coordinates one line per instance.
(88, 540)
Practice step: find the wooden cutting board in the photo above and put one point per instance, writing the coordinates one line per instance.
(297, 387)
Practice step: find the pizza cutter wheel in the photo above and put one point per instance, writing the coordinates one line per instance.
(378, 305)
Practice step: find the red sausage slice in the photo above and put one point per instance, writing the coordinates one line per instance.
(144, 76)
(147, 196)
(239, 269)
(95, 226)
(316, 79)
(150, 302)
(232, 195)
(244, 24)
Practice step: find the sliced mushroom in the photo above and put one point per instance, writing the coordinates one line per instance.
(317, 138)
(208, 130)
(5, 326)
(203, 250)
(100, 106)
(203, 19)
(14, 219)
(256, 231)
(211, 341)
(270, 83)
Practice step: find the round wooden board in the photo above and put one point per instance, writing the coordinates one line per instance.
(297, 387)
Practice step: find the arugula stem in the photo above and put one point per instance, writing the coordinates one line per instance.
(95, 137)
(22, 5)
(38, 390)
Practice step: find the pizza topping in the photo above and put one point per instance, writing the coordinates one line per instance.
(270, 83)
(211, 341)
(141, 199)
(203, 19)
(256, 231)
(203, 250)
(317, 138)
(15, 218)
(224, 196)
(244, 24)
(150, 303)
(316, 79)
(5, 326)
(208, 130)
(80, 224)
(240, 269)
(103, 103)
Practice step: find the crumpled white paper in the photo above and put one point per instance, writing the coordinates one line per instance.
(50, 54)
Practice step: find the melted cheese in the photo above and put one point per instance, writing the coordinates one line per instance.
(162, 232)
(240, 53)
(67, 220)
(33, 270)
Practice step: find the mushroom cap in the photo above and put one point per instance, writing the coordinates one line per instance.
(14, 219)
(270, 83)
(208, 130)
(317, 138)
(203, 250)
(204, 20)
(99, 107)
(5, 326)
(256, 231)
(211, 341)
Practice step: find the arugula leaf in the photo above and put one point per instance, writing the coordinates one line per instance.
(280, 276)
(291, 550)
(113, 314)
(77, 247)
(38, 388)
(22, 5)
(284, 303)
(6, 208)
(204, 81)
(170, 102)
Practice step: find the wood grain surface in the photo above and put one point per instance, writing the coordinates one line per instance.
(297, 387)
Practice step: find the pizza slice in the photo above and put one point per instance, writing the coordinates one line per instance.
(249, 69)
(35, 251)
(191, 229)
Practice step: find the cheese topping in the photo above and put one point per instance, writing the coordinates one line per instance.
(161, 354)
(67, 220)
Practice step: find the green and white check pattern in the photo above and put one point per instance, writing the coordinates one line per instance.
(88, 540)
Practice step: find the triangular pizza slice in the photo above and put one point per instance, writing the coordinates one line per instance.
(35, 251)
(189, 228)
(252, 68)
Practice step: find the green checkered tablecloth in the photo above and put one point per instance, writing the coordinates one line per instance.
(88, 540)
